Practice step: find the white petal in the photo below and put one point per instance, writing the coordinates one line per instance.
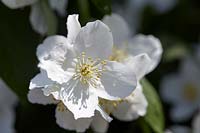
(13, 4)
(65, 119)
(40, 80)
(37, 19)
(55, 72)
(99, 124)
(51, 54)
(118, 81)
(182, 112)
(79, 99)
(60, 6)
(7, 97)
(138, 64)
(196, 124)
(119, 28)
(134, 106)
(171, 89)
(7, 120)
(104, 114)
(190, 70)
(164, 5)
(149, 45)
(73, 27)
(53, 48)
(37, 96)
(53, 90)
(95, 39)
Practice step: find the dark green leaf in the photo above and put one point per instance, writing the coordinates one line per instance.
(104, 6)
(174, 52)
(154, 117)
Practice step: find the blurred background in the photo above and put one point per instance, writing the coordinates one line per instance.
(175, 22)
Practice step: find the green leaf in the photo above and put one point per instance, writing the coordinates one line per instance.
(154, 117)
(144, 126)
(104, 6)
(84, 11)
(50, 17)
(177, 51)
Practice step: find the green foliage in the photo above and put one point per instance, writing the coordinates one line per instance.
(99, 8)
(84, 11)
(154, 117)
(174, 52)
(104, 6)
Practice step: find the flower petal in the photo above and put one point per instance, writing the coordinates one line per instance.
(119, 28)
(146, 44)
(7, 97)
(37, 96)
(7, 120)
(118, 81)
(55, 72)
(37, 19)
(52, 90)
(73, 27)
(163, 6)
(182, 112)
(51, 54)
(40, 80)
(60, 6)
(53, 48)
(79, 99)
(104, 114)
(99, 124)
(133, 107)
(13, 4)
(65, 119)
(171, 89)
(95, 39)
(190, 70)
(138, 64)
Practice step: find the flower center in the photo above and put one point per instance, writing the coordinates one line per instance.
(118, 55)
(88, 71)
(61, 107)
(190, 92)
(110, 106)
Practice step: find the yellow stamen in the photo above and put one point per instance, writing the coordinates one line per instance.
(118, 55)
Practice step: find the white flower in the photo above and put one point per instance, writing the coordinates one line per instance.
(141, 54)
(126, 47)
(37, 16)
(183, 129)
(64, 118)
(134, 9)
(182, 90)
(14, 4)
(8, 101)
(79, 71)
